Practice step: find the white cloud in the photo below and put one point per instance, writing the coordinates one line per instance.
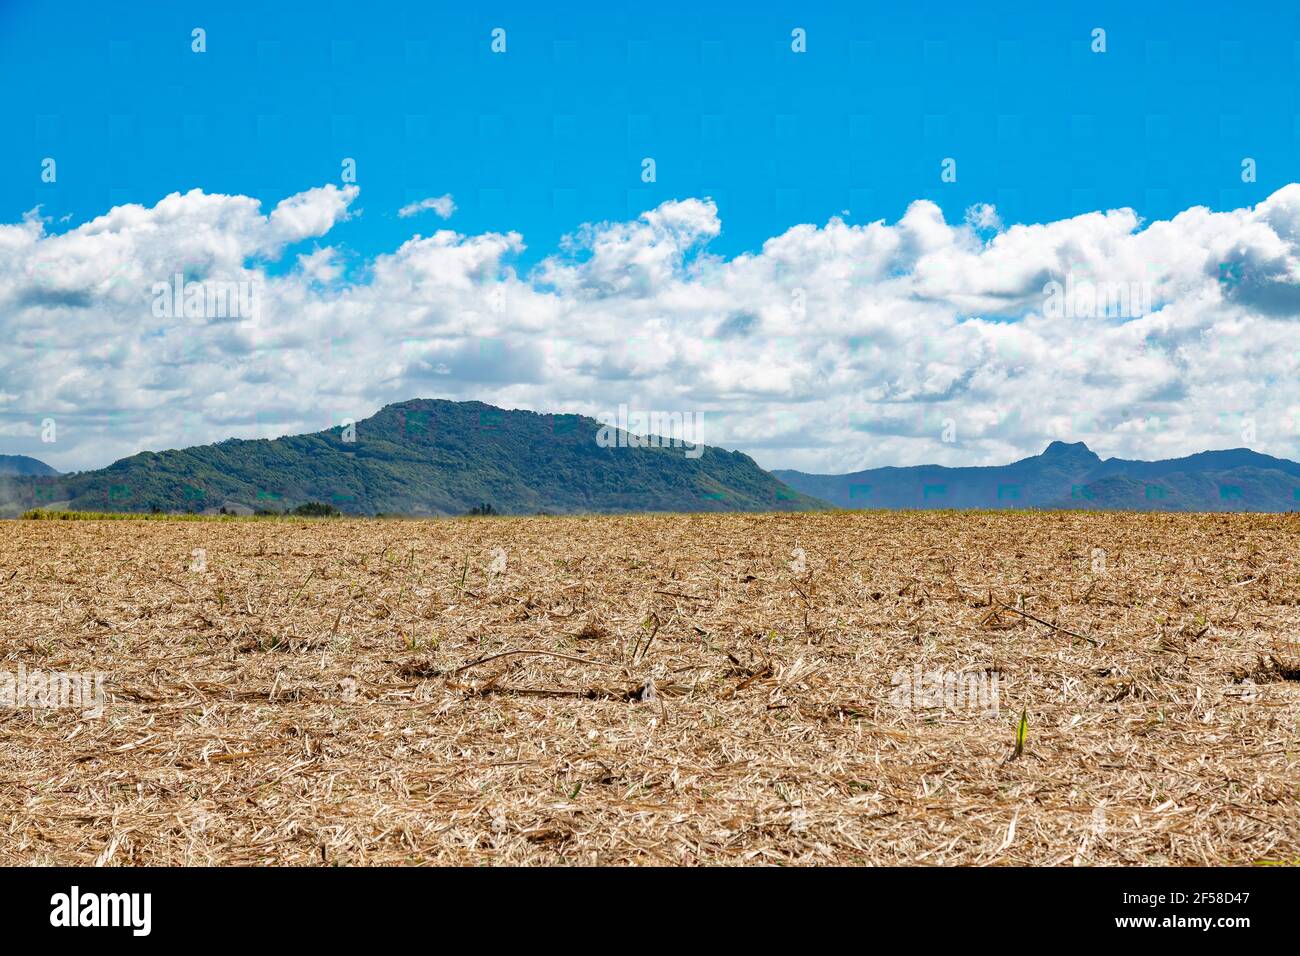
(983, 216)
(441, 205)
(834, 347)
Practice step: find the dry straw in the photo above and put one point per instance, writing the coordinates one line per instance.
(668, 689)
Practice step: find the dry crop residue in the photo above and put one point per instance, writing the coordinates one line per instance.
(657, 689)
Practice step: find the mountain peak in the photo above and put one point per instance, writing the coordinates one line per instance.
(23, 465)
(1061, 449)
(1069, 475)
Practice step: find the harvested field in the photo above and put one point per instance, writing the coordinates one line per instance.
(657, 690)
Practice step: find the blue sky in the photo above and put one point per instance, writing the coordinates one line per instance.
(799, 272)
(552, 133)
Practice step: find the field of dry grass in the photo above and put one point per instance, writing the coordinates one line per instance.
(659, 690)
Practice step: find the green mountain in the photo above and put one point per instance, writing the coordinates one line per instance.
(22, 465)
(426, 457)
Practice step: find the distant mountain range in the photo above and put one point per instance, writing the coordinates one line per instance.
(22, 465)
(423, 457)
(434, 457)
(1072, 476)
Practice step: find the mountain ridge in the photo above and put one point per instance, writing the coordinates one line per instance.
(438, 457)
(1071, 476)
(425, 457)
(24, 465)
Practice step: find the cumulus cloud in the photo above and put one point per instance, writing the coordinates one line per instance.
(442, 205)
(834, 347)
(983, 216)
